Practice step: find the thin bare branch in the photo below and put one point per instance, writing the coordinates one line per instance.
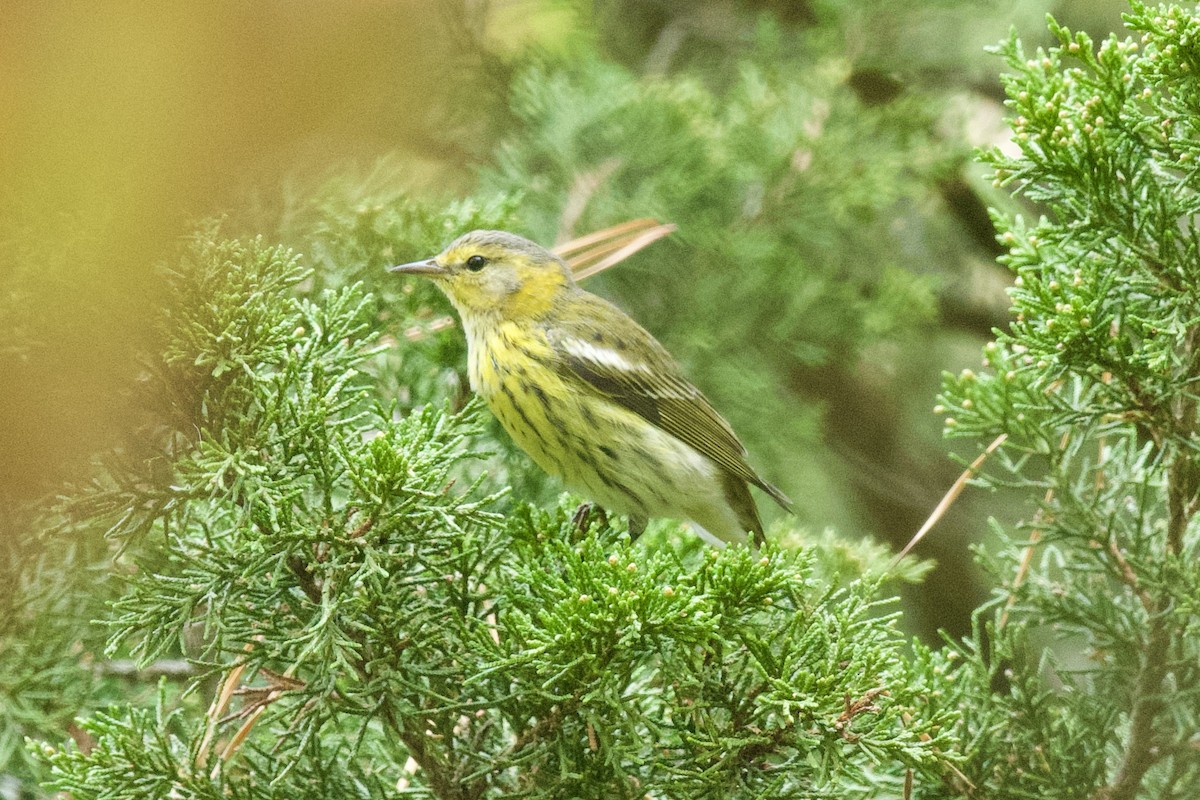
(948, 499)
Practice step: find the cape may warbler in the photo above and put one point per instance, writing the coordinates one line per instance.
(589, 393)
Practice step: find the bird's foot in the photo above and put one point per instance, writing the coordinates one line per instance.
(637, 526)
(582, 518)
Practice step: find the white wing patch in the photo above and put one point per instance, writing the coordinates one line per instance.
(596, 354)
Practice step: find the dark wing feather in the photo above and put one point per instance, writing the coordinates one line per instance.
(601, 346)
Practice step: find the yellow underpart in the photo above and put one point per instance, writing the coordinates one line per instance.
(597, 447)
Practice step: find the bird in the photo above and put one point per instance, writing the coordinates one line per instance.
(590, 395)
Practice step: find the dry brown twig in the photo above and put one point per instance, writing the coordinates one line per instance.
(592, 254)
(259, 699)
(582, 189)
(216, 711)
(948, 499)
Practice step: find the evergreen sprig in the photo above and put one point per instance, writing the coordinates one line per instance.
(343, 561)
(304, 516)
(1094, 385)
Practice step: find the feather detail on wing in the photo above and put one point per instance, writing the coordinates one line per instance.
(616, 357)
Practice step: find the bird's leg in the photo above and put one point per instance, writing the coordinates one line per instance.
(637, 526)
(583, 516)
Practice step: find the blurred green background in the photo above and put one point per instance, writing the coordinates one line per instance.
(122, 125)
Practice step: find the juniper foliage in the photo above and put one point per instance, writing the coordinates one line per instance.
(314, 512)
(1084, 679)
(394, 630)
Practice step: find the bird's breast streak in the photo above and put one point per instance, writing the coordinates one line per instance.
(598, 448)
(507, 370)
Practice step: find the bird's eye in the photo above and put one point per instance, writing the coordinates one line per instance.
(476, 263)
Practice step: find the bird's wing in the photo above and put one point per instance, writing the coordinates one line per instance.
(613, 355)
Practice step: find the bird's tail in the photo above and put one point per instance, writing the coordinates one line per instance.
(776, 495)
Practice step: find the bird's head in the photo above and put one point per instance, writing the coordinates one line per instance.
(493, 273)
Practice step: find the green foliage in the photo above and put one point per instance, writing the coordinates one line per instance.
(758, 176)
(311, 510)
(394, 628)
(46, 674)
(821, 246)
(350, 229)
(1094, 385)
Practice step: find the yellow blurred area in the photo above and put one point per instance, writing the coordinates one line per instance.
(121, 123)
(513, 25)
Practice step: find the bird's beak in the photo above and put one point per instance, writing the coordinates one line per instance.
(429, 268)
